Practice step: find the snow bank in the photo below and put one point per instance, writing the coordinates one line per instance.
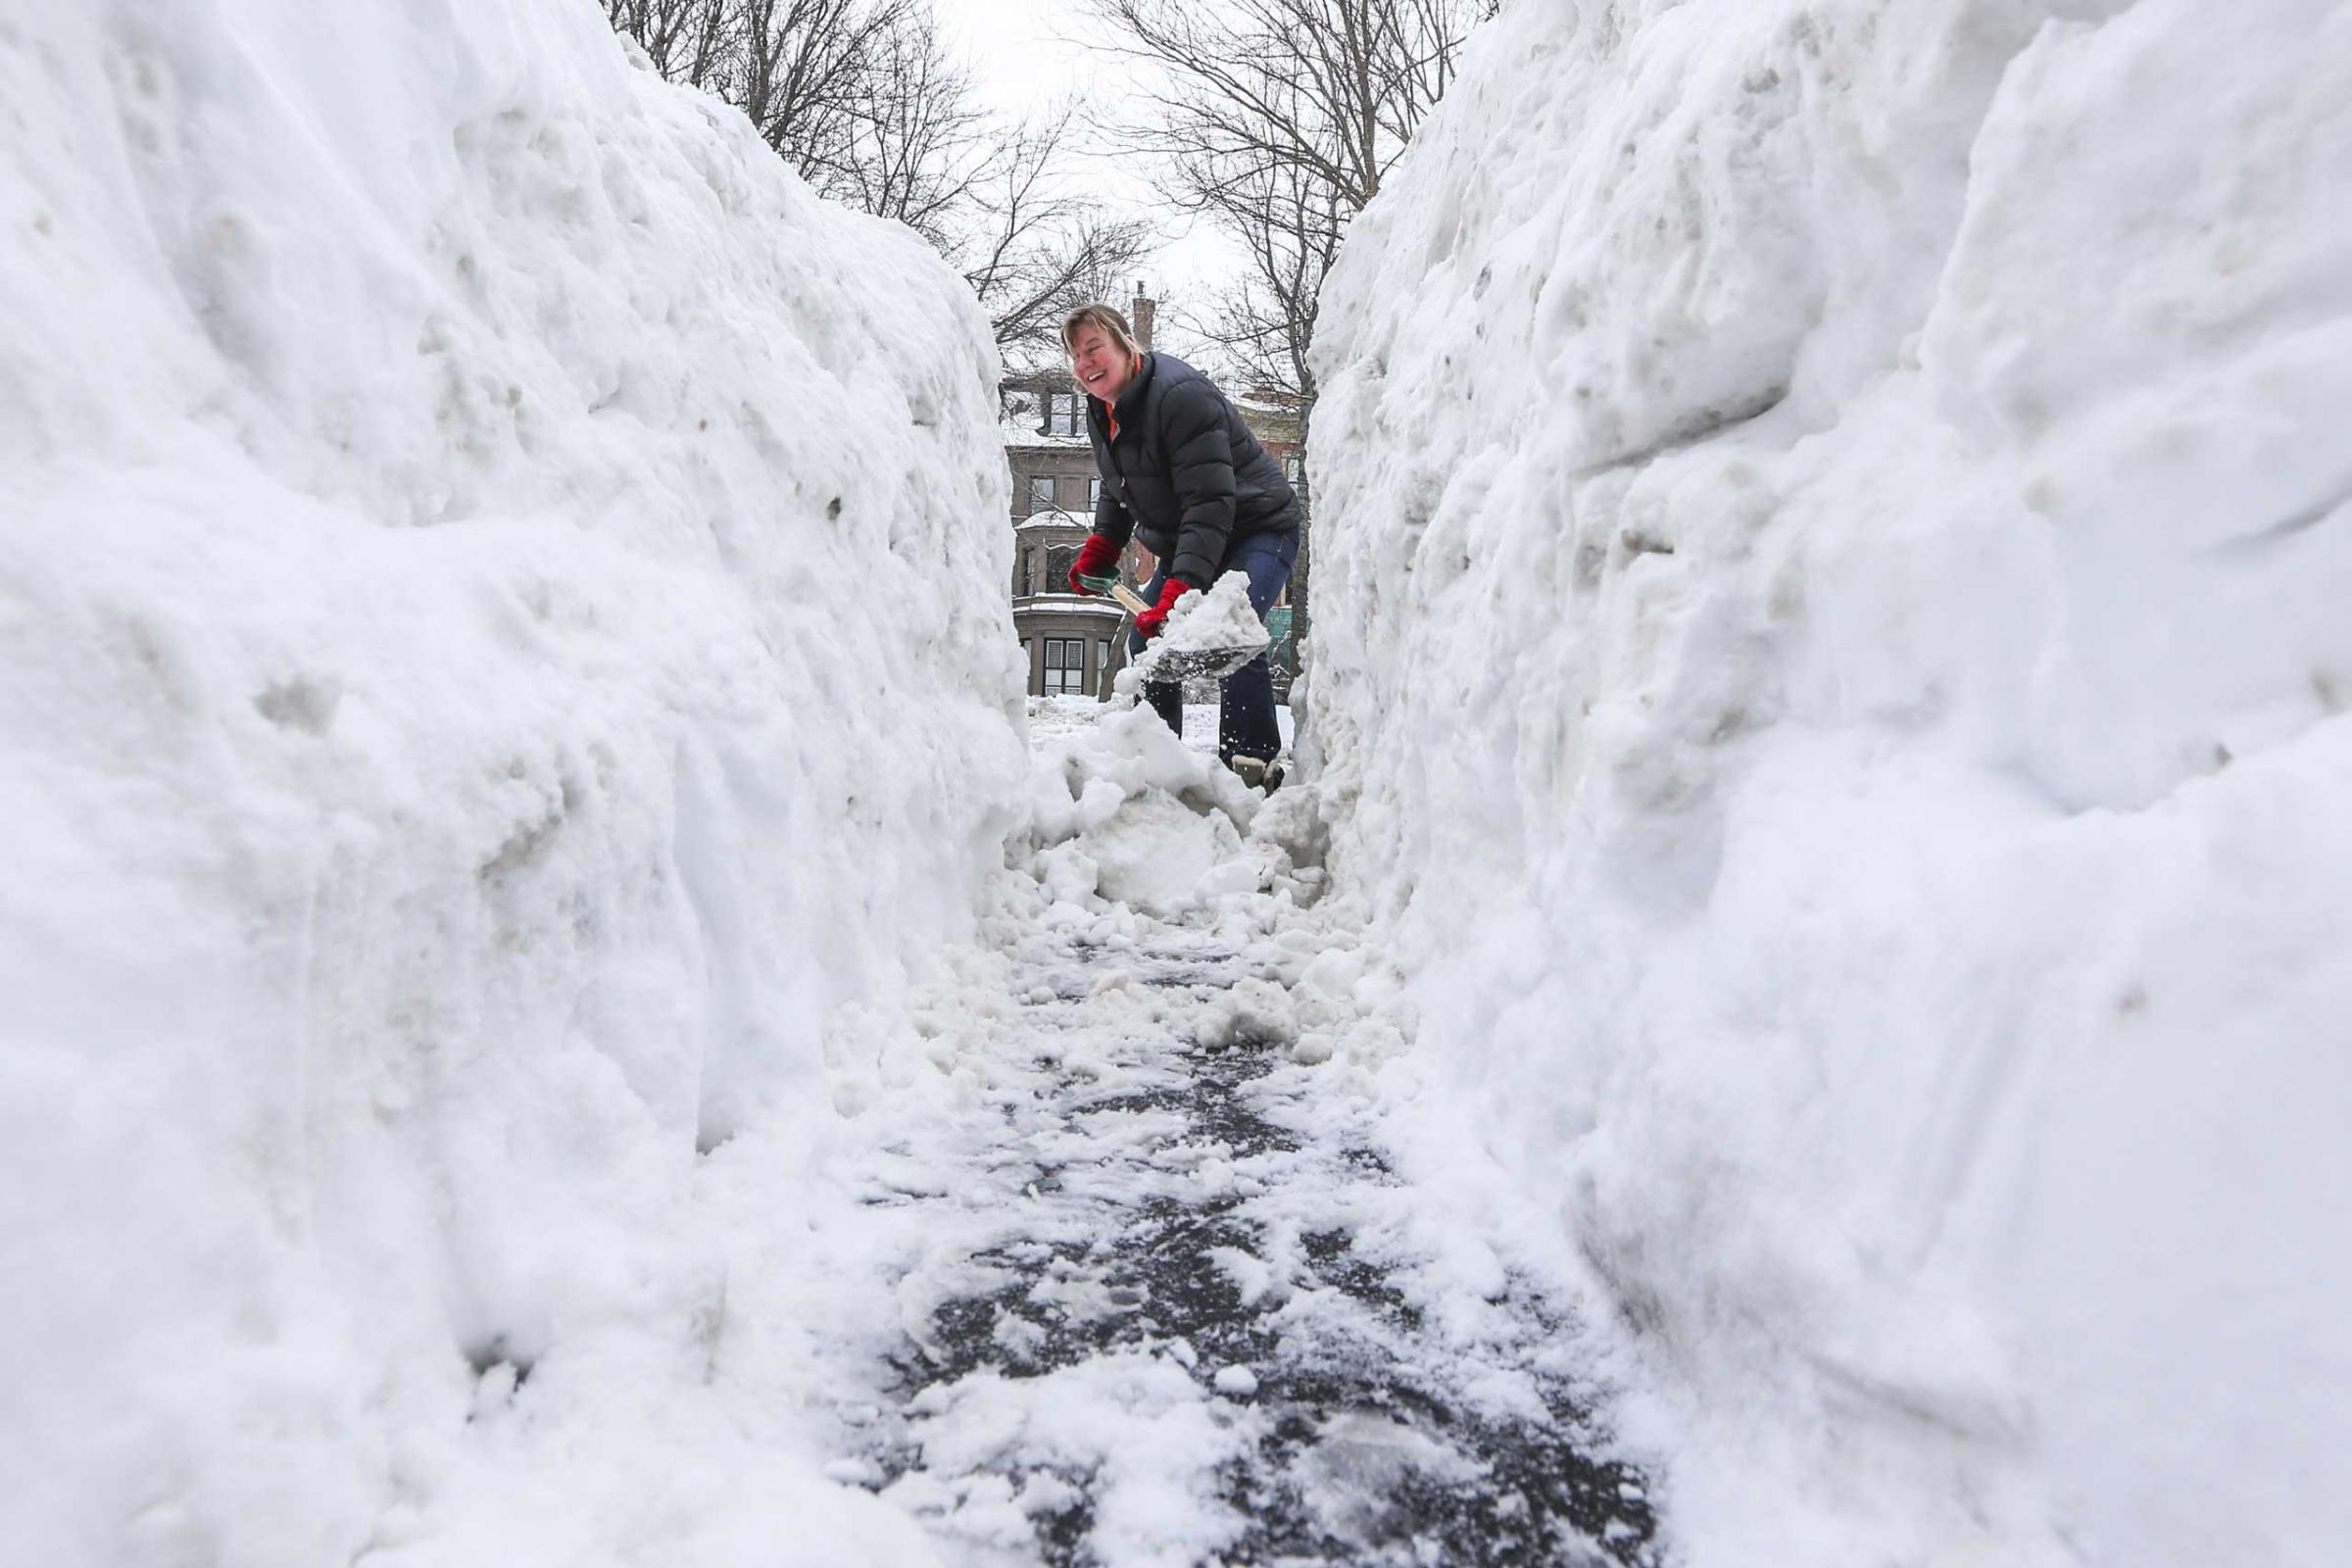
(500, 634)
(1831, 660)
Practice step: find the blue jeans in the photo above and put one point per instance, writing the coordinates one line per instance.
(1246, 724)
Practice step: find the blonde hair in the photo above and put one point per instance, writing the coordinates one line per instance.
(1108, 320)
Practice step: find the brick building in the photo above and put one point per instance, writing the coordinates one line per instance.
(1075, 644)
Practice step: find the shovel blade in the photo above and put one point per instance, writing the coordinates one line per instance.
(1199, 664)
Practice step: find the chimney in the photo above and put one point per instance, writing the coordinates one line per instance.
(1139, 317)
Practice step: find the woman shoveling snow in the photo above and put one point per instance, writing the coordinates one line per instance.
(1182, 470)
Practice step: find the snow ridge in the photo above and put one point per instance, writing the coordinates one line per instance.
(1832, 683)
(499, 641)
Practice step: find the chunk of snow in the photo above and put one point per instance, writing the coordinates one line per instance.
(1254, 1010)
(1124, 811)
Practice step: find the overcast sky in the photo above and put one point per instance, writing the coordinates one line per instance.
(1025, 54)
(1013, 43)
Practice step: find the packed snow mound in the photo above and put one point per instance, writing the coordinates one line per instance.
(500, 635)
(1832, 678)
(1127, 822)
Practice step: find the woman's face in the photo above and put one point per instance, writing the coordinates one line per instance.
(1101, 367)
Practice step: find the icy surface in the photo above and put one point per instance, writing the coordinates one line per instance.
(1833, 684)
(501, 637)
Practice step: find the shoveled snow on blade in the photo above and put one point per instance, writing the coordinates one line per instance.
(1210, 633)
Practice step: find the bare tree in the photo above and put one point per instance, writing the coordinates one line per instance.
(801, 70)
(1037, 252)
(796, 67)
(1277, 120)
(862, 98)
(1288, 226)
(687, 40)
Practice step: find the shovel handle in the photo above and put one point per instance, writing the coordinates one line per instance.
(1129, 600)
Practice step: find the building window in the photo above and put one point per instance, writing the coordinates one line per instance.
(1060, 562)
(1065, 414)
(1294, 467)
(1065, 665)
(1028, 572)
(1102, 653)
(1040, 491)
(1093, 491)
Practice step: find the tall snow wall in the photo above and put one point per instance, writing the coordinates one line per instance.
(501, 632)
(1833, 554)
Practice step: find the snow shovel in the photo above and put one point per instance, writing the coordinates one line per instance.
(1183, 664)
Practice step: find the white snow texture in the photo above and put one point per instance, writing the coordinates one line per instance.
(1831, 660)
(1213, 623)
(501, 632)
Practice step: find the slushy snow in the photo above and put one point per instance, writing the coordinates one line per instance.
(1129, 1282)
(1831, 670)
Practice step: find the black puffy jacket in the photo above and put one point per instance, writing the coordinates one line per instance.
(1184, 471)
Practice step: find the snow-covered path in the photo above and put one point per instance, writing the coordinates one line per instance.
(1138, 1286)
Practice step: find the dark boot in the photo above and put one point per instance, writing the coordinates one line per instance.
(1246, 724)
(1259, 773)
(1167, 701)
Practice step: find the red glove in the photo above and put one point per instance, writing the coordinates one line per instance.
(1151, 621)
(1097, 567)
